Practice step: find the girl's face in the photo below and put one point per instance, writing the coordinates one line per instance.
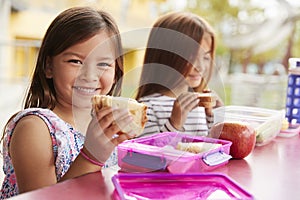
(201, 65)
(83, 70)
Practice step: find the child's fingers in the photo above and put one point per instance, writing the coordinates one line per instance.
(123, 120)
(118, 125)
(188, 100)
(100, 115)
(110, 115)
(120, 138)
(188, 97)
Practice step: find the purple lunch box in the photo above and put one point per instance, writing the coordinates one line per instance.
(157, 153)
(177, 186)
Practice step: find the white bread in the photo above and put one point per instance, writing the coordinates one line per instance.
(197, 147)
(136, 109)
(207, 99)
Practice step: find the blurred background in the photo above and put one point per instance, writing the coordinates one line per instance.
(255, 38)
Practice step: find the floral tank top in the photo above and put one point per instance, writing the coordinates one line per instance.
(66, 145)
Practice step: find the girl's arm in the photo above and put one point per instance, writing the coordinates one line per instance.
(101, 139)
(32, 156)
(31, 153)
(176, 119)
(209, 110)
(182, 106)
(81, 166)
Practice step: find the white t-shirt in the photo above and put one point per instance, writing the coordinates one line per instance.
(159, 111)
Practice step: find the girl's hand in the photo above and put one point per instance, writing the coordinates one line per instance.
(102, 133)
(182, 106)
(219, 103)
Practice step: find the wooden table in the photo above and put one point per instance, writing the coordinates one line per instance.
(269, 172)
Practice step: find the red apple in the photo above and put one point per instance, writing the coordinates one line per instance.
(242, 136)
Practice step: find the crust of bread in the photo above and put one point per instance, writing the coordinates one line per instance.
(136, 109)
(197, 147)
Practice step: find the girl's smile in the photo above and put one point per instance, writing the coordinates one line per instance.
(193, 78)
(87, 91)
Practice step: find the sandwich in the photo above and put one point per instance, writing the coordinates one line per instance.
(207, 99)
(136, 109)
(197, 147)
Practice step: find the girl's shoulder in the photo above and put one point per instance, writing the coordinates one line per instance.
(49, 117)
(59, 129)
(34, 111)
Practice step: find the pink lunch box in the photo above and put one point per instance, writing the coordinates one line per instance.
(177, 187)
(157, 153)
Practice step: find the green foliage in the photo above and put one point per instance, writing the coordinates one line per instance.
(216, 12)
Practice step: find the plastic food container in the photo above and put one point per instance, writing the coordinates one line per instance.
(177, 186)
(266, 122)
(158, 153)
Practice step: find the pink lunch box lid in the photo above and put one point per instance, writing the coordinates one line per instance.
(177, 186)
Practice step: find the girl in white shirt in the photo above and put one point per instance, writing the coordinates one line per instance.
(177, 66)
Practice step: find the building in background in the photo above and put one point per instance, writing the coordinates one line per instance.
(24, 23)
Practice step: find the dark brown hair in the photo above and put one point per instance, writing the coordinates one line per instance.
(172, 47)
(72, 26)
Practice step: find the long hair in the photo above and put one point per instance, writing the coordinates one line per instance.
(68, 28)
(172, 47)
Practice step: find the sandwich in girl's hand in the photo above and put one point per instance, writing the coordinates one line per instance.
(207, 99)
(136, 109)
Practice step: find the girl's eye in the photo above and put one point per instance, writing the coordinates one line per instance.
(104, 65)
(75, 61)
(207, 57)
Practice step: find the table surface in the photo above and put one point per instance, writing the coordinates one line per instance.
(271, 171)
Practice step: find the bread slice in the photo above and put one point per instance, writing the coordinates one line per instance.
(137, 110)
(197, 147)
(207, 99)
